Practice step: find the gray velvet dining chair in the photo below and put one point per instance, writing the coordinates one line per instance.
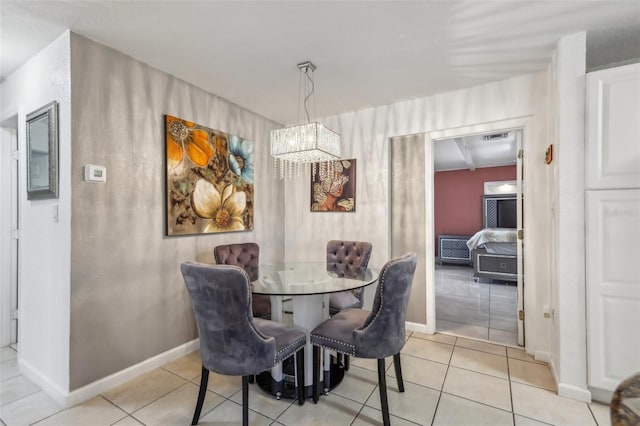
(246, 256)
(347, 258)
(232, 341)
(344, 258)
(376, 334)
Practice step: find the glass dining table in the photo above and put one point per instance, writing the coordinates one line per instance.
(309, 285)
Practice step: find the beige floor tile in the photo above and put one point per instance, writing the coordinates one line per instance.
(416, 403)
(525, 421)
(531, 373)
(419, 371)
(478, 387)
(222, 385)
(370, 364)
(522, 355)
(437, 337)
(370, 416)
(144, 389)
(331, 410)
(128, 421)
(7, 353)
(458, 411)
(546, 406)
(264, 403)
(16, 388)
(481, 346)
(9, 369)
(189, 366)
(427, 349)
(230, 413)
(29, 410)
(481, 362)
(357, 384)
(602, 413)
(176, 407)
(96, 412)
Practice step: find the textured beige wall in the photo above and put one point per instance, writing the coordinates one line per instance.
(365, 136)
(128, 300)
(408, 216)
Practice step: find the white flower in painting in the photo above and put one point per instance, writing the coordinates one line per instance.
(225, 210)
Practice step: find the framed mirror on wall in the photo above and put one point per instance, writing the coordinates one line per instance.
(42, 153)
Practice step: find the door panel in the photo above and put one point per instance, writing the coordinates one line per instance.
(613, 285)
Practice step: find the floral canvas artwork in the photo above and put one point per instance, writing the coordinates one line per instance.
(209, 180)
(333, 186)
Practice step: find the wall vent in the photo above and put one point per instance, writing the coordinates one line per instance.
(496, 136)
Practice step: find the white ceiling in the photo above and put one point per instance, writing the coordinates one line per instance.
(475, 152)
(368, 53)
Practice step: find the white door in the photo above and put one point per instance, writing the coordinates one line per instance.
(519, 245)
(8, 234)
(613, 128)
(612, 197)
(613, 285)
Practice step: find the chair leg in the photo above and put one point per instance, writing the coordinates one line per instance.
(245, 400)
(317, 350)
(300, 375)
(346, 362)
(204, 379)
(382, 384)
(398, 368)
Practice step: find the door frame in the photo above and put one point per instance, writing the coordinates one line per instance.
(8, 233)
(522, 124)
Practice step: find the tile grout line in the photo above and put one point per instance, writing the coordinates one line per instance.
(435, 410)
(513, 411)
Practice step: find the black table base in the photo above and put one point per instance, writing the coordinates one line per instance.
(287, 387)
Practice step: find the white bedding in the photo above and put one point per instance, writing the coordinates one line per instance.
(492, 235)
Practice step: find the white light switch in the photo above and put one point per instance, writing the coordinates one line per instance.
(93, 173)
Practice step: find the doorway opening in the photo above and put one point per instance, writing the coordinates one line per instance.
(477, 211)
(9, 232)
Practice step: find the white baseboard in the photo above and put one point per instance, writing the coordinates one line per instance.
(420, 328)
(574, 392)
(601, 395)
(544, 357)
(564, 390)
(54, 391)
(68, 399)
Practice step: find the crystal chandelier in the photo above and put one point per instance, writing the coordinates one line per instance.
(304, 144)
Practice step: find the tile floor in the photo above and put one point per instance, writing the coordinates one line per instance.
(448, 381)
(483, 310)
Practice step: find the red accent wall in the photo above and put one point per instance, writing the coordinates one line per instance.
(458, 199)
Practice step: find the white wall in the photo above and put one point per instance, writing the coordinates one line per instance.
(43, 346)
(365, 134)
(568, 333)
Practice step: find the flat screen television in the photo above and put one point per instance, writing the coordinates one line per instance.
(507, 213)
(500, 211)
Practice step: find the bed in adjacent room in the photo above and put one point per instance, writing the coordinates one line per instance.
(494, 254)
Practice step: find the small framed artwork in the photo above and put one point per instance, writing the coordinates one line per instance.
(333, 186)
(209, 179)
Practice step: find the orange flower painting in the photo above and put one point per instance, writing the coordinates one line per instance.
(209, 179)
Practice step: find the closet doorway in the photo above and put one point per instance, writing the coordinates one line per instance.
(477, 206)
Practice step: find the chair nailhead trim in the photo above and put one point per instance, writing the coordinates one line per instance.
(275, 356)
(353, 348)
